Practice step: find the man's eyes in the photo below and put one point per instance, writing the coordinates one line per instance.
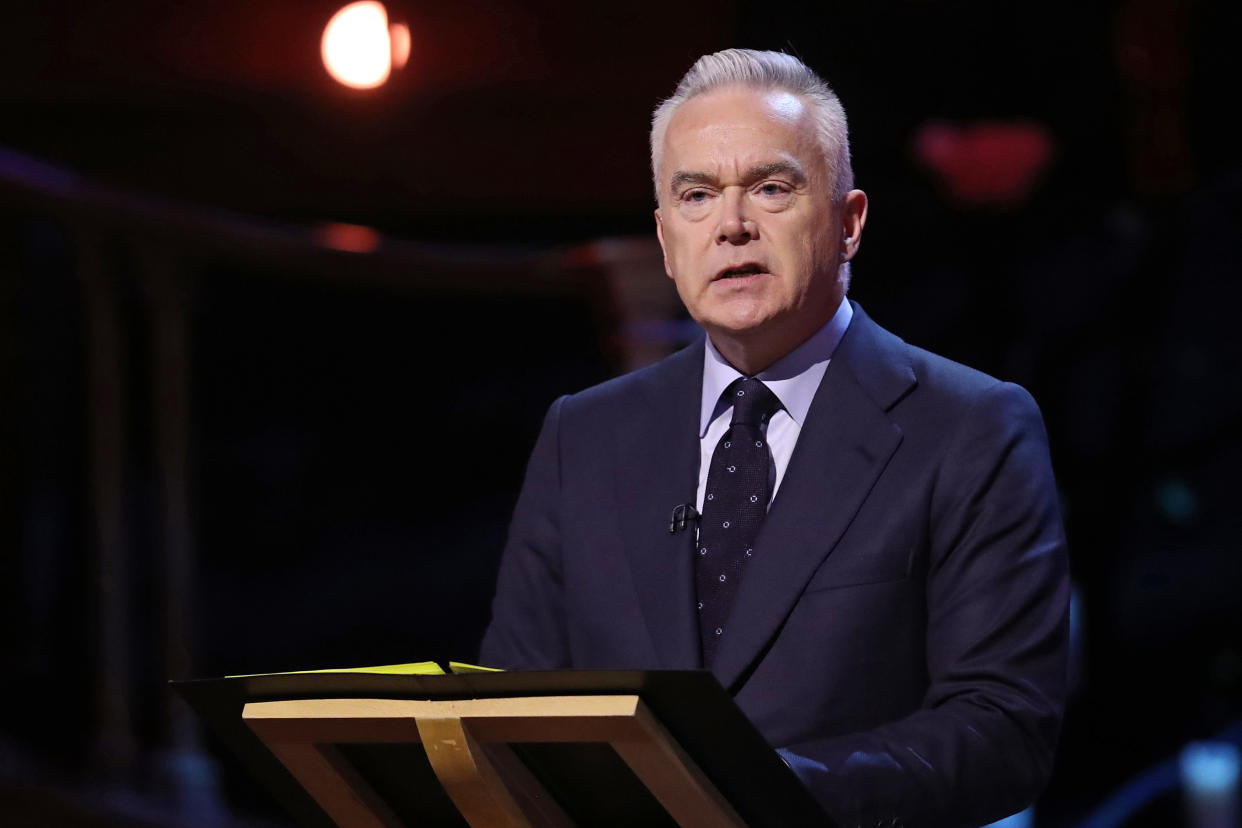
(772, 188)
(768, 190)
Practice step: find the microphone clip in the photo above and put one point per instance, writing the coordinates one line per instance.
(683, 513)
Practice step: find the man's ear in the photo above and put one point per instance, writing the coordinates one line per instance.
(853, 219)
(660, 235)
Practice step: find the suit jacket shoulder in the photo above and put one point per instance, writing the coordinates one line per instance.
(679, 373)
(890, 369)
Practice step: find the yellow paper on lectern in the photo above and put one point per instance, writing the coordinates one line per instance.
(417, 668)
(459, 667)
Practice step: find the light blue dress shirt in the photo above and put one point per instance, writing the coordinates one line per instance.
(794, 379)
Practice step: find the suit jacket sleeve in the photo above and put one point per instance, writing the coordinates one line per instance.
(997, 592)
(528, 613)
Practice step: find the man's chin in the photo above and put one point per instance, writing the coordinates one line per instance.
(739, 316)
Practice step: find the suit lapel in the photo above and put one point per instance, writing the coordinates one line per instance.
(844, 445)
(657, 466)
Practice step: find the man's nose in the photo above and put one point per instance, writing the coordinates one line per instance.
(735, 226)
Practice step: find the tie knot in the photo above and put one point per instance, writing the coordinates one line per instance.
(753, 402)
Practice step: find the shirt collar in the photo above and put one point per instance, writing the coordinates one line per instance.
(793, 378)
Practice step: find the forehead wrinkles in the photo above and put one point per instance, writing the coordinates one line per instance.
(737, 128)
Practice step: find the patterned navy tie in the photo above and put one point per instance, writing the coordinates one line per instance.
(734, 505)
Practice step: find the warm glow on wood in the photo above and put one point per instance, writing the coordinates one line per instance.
(356, 47)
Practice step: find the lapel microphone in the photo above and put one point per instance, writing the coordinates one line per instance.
(683, 513)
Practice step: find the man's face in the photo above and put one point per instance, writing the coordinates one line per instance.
(750, 234)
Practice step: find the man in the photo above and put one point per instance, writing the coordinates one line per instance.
(879, 573)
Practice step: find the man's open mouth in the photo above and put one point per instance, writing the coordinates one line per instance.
(739, 271)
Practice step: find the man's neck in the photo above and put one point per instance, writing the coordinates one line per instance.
(749, 358)
(754, 353)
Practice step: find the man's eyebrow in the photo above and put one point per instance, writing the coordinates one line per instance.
(784, 167)
(792, 169)
(684, 177)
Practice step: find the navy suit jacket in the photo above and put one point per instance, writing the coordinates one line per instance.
(902, 628)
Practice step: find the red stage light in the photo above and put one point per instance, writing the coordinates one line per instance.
(351, 238)
(997, 163)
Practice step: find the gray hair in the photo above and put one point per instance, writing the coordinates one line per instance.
(766, 71)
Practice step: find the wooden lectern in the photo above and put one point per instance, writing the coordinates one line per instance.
(562, 748)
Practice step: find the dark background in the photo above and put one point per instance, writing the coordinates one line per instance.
(219, 415)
